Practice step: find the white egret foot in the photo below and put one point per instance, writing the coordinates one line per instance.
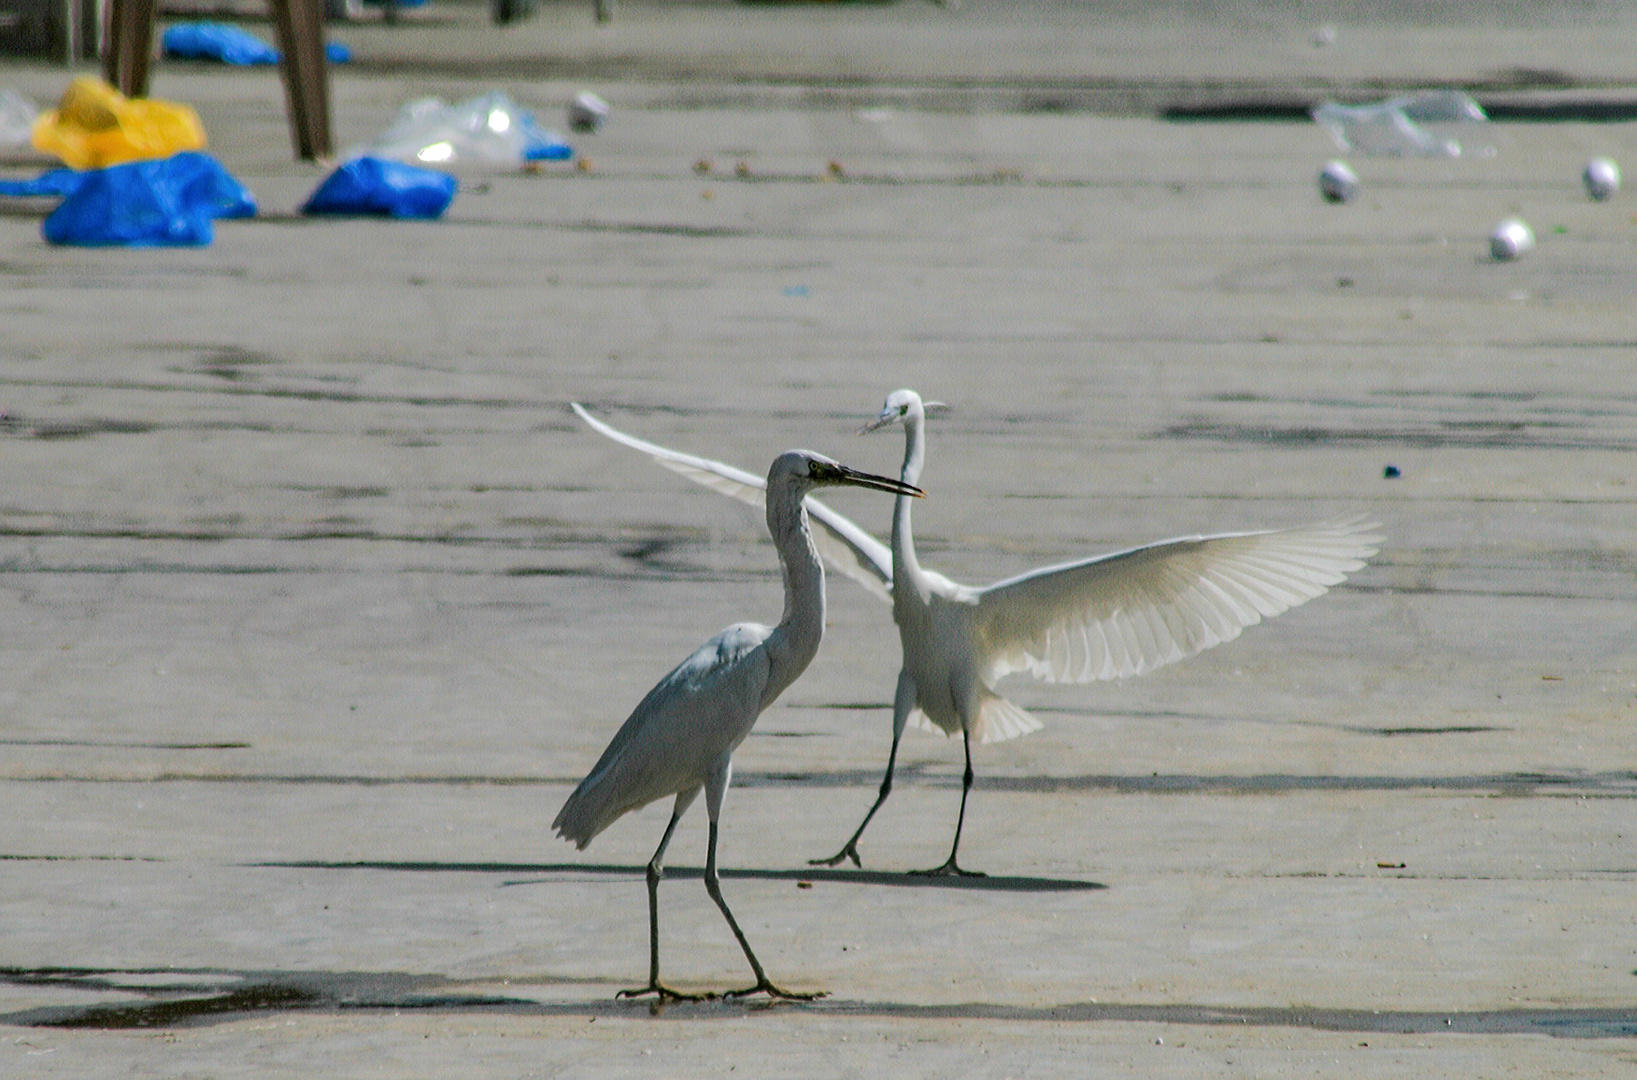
(849, 850)
(950, 868)
(665, 993)
(772, 991)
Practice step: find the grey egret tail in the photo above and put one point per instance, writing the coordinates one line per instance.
(680, 738)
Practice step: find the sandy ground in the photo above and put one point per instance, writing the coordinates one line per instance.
(318, 600)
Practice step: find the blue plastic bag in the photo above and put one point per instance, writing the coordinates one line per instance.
(217, 41)
(169, 202)
(56, 183)
(540, 144)
(376, 186)
(231, 45)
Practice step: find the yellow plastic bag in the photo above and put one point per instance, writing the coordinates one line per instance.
(95, 126)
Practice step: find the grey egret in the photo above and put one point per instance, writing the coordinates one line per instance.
(1107, 617)
(681, 736)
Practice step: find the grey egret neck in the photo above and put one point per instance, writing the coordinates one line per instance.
(680, 738)
(1107, 617)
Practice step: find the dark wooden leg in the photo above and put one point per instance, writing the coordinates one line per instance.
(306, 75)
(130, 40)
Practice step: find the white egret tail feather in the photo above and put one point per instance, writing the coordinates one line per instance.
(841, 543)
(1128, 613)
(998, 720)
(919, 719)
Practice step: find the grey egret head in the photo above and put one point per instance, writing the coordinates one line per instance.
(806, 469)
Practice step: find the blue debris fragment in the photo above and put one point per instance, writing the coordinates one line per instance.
(378, 187)
(228, 44)
(54, 184)
(216, 41)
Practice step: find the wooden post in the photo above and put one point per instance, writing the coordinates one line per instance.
(130, 42)
(306, 75)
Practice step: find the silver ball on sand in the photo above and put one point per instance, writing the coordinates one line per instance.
(1511, 239)
(1338, 183)
(1602, 178)
(587, 112)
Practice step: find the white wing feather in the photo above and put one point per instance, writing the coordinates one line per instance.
(848, 548)
(659, 751)
(1132, 611)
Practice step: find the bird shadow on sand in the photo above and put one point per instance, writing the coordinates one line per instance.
(172, 997)
(541, 873)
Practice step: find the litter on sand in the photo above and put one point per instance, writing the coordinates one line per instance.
(375, 187)
(1511, 239)
(1393, 128)
(227, 44)
(1601, 177)
(17, 116)
(587, 112)
(1338, 183)
(160, 202)
(95, 126)
(490, 130)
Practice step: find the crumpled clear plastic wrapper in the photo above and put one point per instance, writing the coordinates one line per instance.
(17, 116)
(491, 131)
(1394, 128)
(95, 126)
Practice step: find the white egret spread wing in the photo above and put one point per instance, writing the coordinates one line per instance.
(842, 544)
(1132, 611)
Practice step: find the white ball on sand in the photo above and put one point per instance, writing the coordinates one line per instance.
(586, 112)
(1338, 183)
(1511, 239)
(1602, 178)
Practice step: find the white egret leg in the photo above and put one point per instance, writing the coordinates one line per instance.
(903, 702)
(950, 866)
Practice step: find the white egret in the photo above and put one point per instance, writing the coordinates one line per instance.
(681, 737)
(1105, 617)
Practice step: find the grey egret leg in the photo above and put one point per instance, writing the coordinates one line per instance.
(656, 870)
(950, 867)
(849, 850)
(764, 985)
